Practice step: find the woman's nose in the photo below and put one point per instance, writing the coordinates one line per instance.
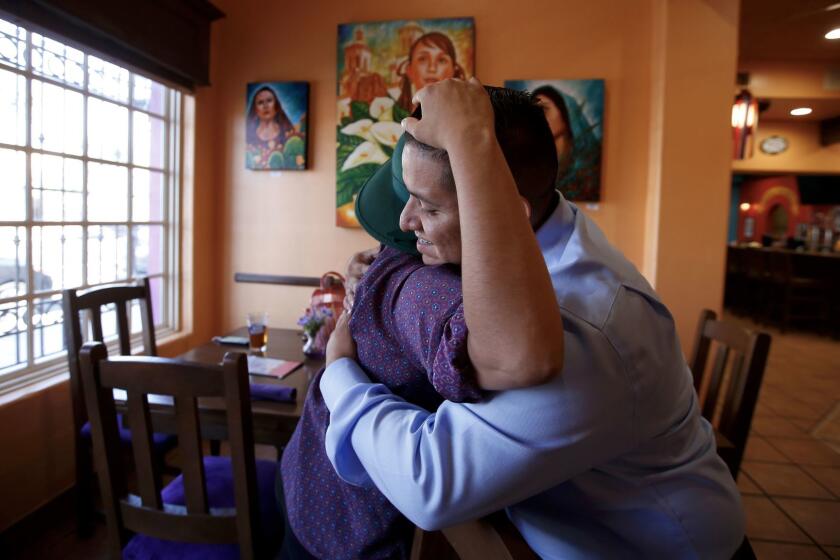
(408, 218)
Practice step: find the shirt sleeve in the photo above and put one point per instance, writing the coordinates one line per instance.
(469, 459)
(429, 320)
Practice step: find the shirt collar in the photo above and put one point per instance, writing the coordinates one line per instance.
(558, 227)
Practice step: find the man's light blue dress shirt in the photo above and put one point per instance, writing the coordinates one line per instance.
(610, 460)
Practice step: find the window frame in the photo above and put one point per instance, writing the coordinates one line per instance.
(35, 369)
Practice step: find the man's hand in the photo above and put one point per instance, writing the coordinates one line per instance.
(356, 268)
(454, 112)
(341, 344)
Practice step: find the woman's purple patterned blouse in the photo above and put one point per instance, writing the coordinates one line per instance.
(410, 334)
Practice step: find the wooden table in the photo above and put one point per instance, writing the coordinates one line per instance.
(273, 422)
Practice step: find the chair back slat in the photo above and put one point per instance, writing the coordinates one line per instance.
(123, 331)
(141, 440)
(730, 398)
(715, 380)
(195, 521)
(147, 320)
(106, 447)
(732, 395)
(95, 318)
(701, 348)
(105, 295)
(173, 522)
(738, 429)
(73, 341)
(237, 395)
(727, 334)
(189, 439)
(162, 376)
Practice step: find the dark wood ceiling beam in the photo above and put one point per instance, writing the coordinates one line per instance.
(167, 39)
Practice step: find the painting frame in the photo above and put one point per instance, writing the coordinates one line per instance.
(575, 112)
(276, 125)
(380, 65)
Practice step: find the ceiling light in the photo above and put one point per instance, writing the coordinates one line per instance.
(745, 206)
(800, 111)
(833, 34)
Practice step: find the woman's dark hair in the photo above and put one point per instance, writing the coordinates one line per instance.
(280, 117)
(560, 102)
(433, 39)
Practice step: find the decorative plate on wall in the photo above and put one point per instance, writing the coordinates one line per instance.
(773, 145)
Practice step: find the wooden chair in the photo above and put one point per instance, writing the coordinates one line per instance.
(492, 537)
(220, 506)
(91, 302)
(799, 289)
(728, 401)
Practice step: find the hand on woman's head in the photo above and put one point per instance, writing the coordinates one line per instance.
(454, 111)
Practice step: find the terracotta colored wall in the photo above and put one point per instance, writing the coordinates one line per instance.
(282, 222)
(763, 193)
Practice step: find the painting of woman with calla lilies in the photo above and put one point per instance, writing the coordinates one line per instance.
(381, 66)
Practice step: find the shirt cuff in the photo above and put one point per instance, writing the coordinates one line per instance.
(338, 378)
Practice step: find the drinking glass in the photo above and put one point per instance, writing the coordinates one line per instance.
(258, 331)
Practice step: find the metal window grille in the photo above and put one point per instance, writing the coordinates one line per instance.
(89, 155)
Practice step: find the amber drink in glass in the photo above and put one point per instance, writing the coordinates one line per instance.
(258, 331)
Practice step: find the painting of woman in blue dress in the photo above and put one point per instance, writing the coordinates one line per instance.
(276, 125)
(574, 110)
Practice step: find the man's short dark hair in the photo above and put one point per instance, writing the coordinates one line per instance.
(526, 141)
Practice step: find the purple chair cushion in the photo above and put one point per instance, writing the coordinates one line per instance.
(160, 442)
(220, 494)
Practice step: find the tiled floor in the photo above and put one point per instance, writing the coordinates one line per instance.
(790, 478)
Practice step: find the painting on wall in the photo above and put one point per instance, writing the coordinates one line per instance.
(276, 125)
(380, 67)
(574, 110)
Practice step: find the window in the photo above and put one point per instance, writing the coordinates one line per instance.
(88, 192)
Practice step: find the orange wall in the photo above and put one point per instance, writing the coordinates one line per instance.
(283, 222)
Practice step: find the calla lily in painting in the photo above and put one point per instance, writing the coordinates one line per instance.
(360, 128)
(366, 152)
(380, 109)
(386, 133)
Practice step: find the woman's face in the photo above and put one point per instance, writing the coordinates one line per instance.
(266, 109)
(432, 209)
(428, 65)
(553, 116)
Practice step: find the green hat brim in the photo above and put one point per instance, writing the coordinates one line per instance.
(381, 201)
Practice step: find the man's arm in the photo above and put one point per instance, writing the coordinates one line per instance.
(516, 332)
(467, 460)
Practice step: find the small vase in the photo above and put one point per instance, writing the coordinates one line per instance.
(310, 346)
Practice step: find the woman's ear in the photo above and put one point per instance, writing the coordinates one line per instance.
(527, 206)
